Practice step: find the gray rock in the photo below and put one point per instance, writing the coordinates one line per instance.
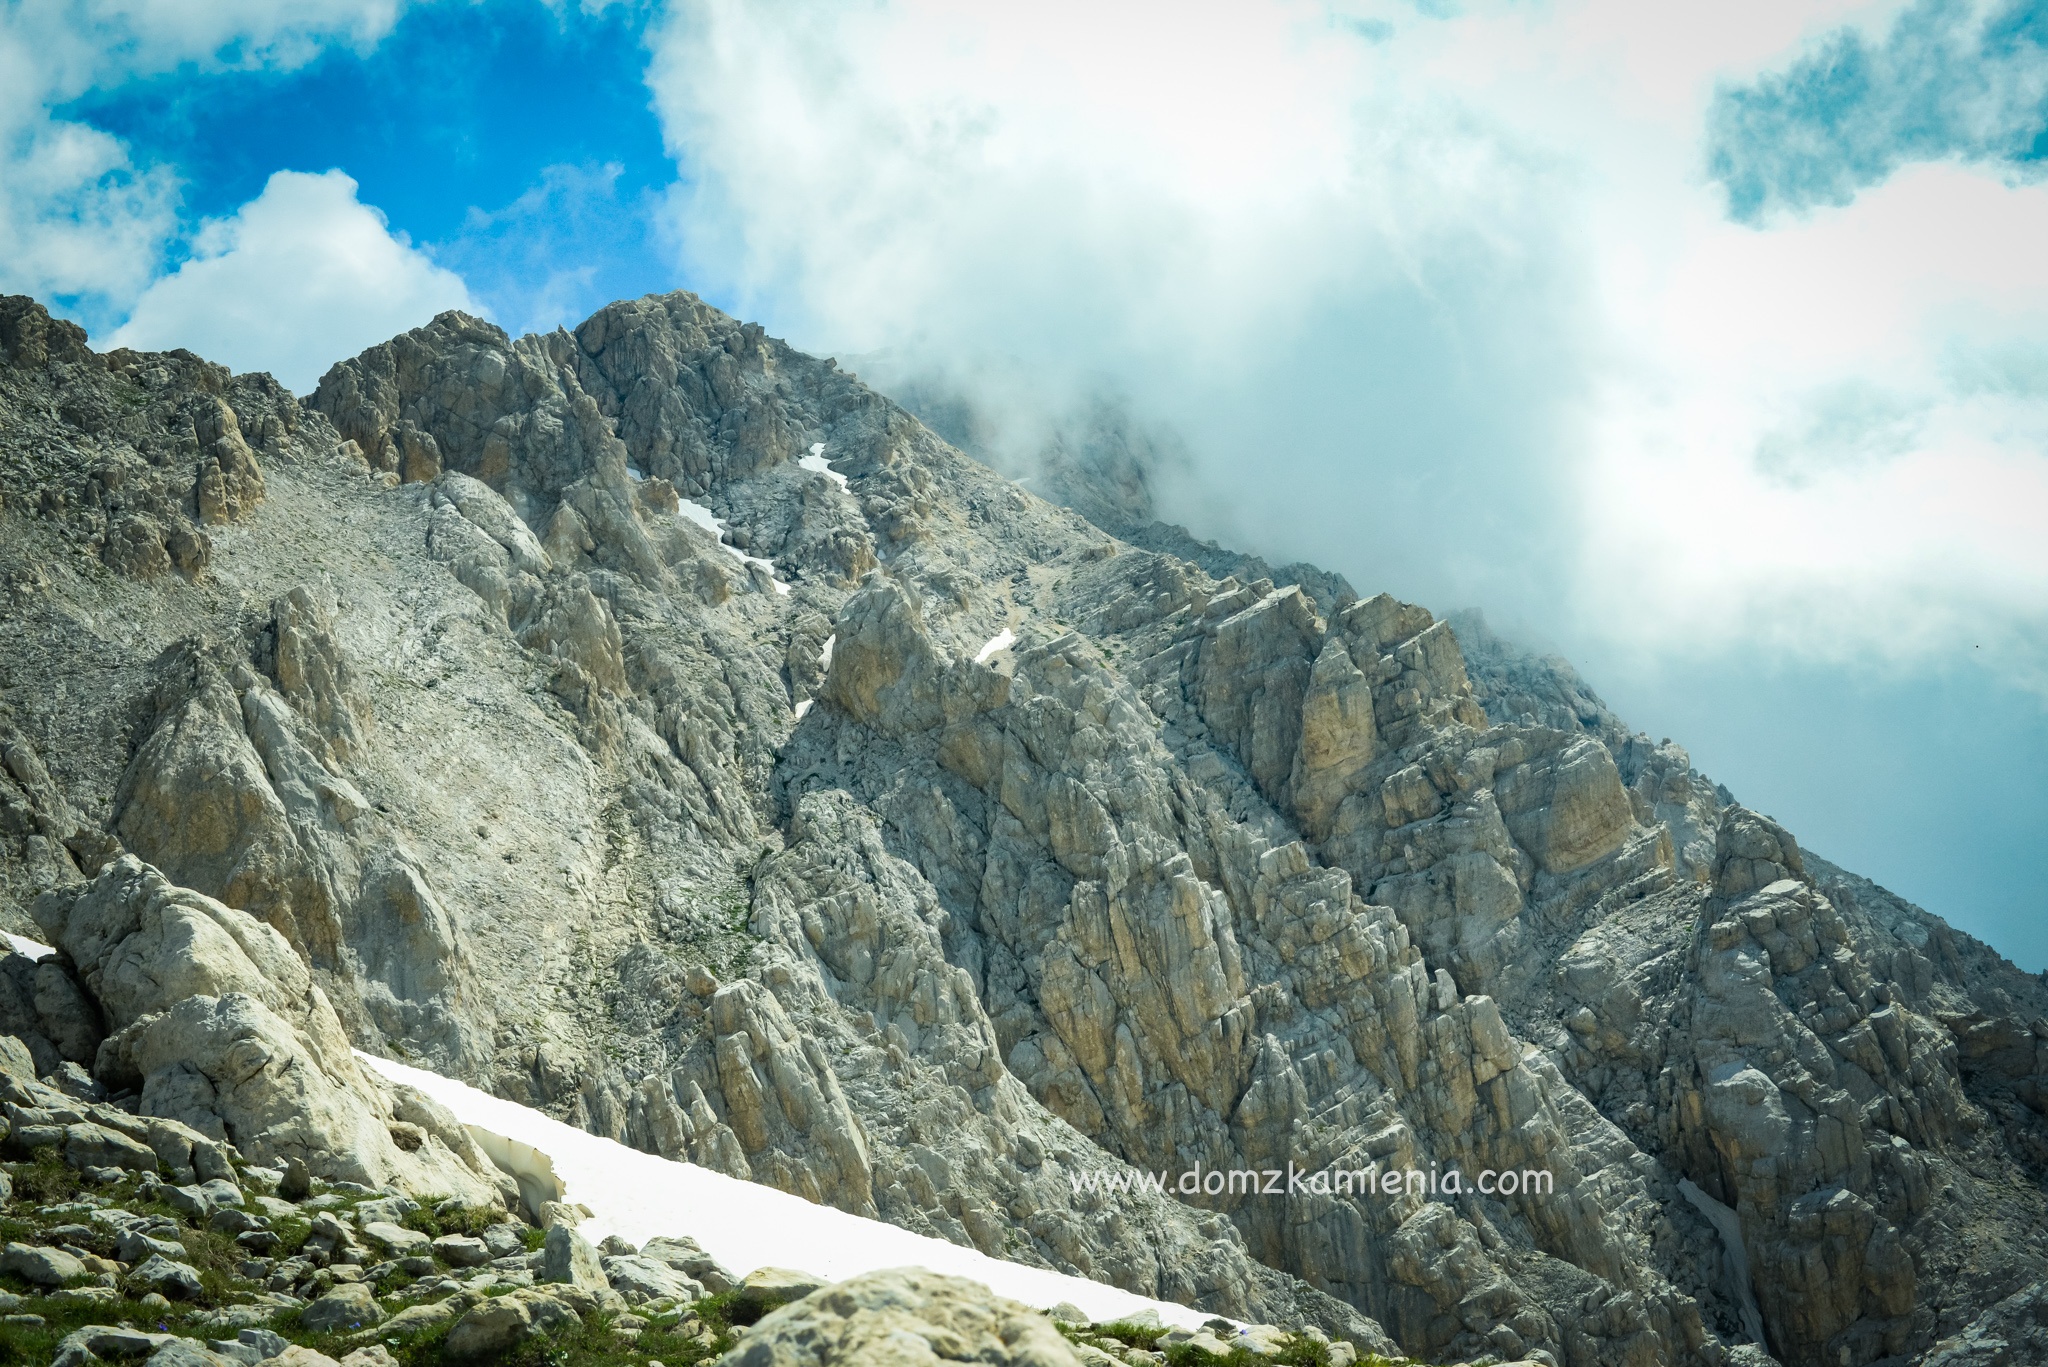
(1216, 859)
(686, 1257)
(462, 1250)
(766, 1287)
(182, 1352)
(568, 1258)
(266, 1342)
(110, 1343)
(388, 1209)
(505, 1240)
(139, 1245)
(350, 1306)
(395, 1239)
(40, 1266)
(167, 1277)
(897, 1317)
(641, 1279)
(493, 1327)
(192, 1202)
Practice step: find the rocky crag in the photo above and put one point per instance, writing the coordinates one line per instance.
(921, 847)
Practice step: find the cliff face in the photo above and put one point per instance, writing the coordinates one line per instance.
(918, 846)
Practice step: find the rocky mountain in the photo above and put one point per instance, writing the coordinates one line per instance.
(657, 725)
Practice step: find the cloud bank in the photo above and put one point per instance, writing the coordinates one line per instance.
(1406, 283)
(302, 276)
(1949, 79)
(79, 220)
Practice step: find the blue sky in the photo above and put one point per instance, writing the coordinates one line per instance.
(1705, 345)
(516, 143)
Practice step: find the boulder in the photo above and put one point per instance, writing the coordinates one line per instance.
(568, 1258)
(166, 1277)
(298, 1355)
(462, 1250)
(902, 1317)
(494, 1327)
(349, 1306)
(193, 990)
(188, 1353)
(767, 1287)
(41, 1266)
(687, 1257)
(505, 1240)
(397, 1240)
(139, 1245)
(109, 1342)
(640, 1279)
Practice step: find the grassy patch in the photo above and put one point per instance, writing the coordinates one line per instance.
(46, 1180)
(1129, 1334)
(462, 1220)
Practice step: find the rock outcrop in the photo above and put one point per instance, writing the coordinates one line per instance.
(213, 1022)
(657, 725)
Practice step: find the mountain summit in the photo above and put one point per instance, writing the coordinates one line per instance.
(656, 726)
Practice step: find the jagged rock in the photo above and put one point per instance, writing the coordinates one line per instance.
(192, 988)
(540, 784)
(905, 1316)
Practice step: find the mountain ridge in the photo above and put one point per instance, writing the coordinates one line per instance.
(551, 789)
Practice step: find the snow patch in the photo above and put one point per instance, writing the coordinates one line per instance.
(35, 949)
(825, 655)
(803, 707)
(639, 1196)
(1002, 640)
(703, 517)
(816, 461)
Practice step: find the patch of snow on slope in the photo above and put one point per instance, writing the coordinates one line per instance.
(825, 655)
(1002, 640)
(803, 707)
(704, 518)
(816, 461)
(744, 1225)
(23, 945)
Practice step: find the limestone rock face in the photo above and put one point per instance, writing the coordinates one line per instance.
(903, 1317)
(889, 835)
(219, 1026)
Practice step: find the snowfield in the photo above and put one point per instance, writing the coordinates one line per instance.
(744, 1225)
(23, 945)
(816, 462)
(696, 512)
(997, 643)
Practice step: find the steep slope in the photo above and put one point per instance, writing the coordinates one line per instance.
(920, 848)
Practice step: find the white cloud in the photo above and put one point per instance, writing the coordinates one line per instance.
(300, 277)
(77, 217)
(1447, 304)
